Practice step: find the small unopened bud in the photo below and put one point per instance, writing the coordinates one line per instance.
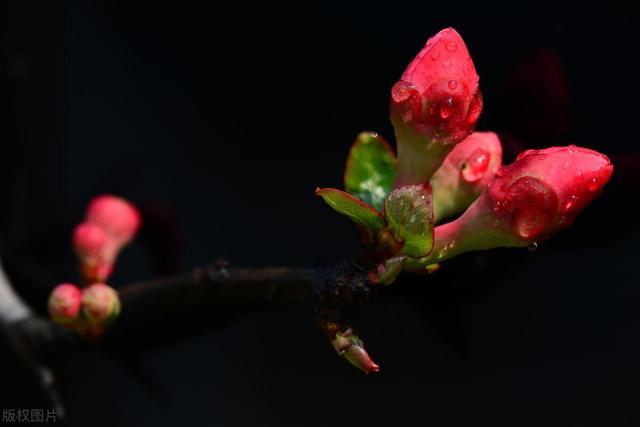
(95, 252)
(434, 105)
(88, 239)
(358, 357)
(465, 173)
(101, 304)
(119, 219)
(538, 195)
(349, 345)
(64, 303)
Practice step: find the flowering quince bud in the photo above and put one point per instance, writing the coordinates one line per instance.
(435, 105)
(111, 223)
(347, 344)
(100, 304)
(64, 304)
(95, 253)
(118, 218)
(535, 197)
(465, 173)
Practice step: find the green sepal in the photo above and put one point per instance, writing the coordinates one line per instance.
(409, 214)
(366, 217)
(371, 169)
(387, 271)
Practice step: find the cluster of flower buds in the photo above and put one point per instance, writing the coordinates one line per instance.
(110, 224)
(443, 169)
(88, 311)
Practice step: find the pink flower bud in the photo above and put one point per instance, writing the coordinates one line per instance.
(89, 238)
(358, 357)
(64, 303)
(118, 218)
(101, 304)
(349, 345)
(528, 201)
(95, 252)
(434, 106)
(465, 173)
(544, 190)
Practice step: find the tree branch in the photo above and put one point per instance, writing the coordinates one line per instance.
(151, 300)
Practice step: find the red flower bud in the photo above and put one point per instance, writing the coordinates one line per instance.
(435, 105)
(528, 201)
(89, 238)
(64, 303)
(95, 252)
(118, 218)
(347, 344)
(544, 190)
(465, 173)
(101, 304)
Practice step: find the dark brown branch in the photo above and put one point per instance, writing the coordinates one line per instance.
(151, 300)
(336, 294)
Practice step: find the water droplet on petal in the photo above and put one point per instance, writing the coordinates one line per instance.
(475, 166)
(566, 166)
(451, 46)
(446, 108)
(435, 55)
(593, 184)
(533, 247)
(446, 64)
(570, 203)
(453, 84)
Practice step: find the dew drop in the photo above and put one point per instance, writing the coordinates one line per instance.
(435, 55)
(475, 166)
(446, 64)
(533, 247)
(593, 184)
(446, 108)
(453, 84)
(572, 149)
(451, 46)
(566, 166)
(571, 203)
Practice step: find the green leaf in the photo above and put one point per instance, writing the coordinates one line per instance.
(409, 213)
(371, 169)
(362, 214)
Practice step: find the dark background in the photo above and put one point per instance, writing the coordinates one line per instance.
(219, 121)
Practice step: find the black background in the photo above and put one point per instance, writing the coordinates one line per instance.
(220, 120)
